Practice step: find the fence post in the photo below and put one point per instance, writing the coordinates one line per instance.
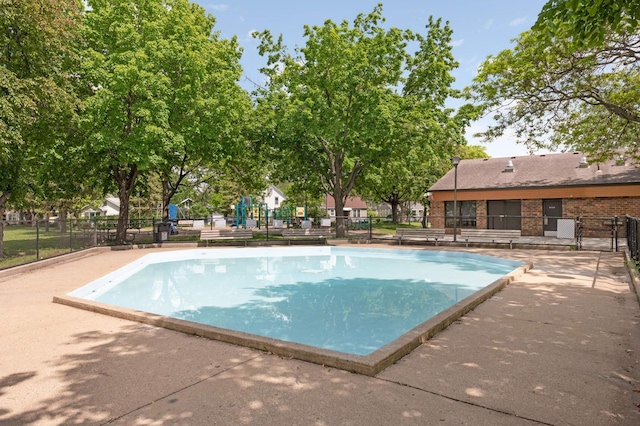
(615, 227)
(37, 240)
(94, 242)
(636, 222)
(70, 235)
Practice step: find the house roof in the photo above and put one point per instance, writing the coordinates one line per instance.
(274, 190)
(537, 171)
(352, 203)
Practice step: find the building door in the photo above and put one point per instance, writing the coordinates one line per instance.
(552, 211)
(503, 214)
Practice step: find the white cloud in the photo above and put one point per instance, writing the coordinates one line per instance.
(457, 43)
(249, 36)
(502, 146)
(488, 24)
(517, 21)
(220, 7)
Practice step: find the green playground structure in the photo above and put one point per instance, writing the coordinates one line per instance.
(247, 210)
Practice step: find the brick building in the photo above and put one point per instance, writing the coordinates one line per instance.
(532, 192)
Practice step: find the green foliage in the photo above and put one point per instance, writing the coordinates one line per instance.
(428, 132)
(470, 152)
(333, 109)
(37, 102)
(207, 109)
(554, 95)
(164, 98)
(588, 23)
(198, 210)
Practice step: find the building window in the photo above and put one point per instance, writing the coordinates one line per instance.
(277, 201)
(466, 214)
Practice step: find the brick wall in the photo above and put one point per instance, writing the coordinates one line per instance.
(595, 212)
(532, 223)
(436, 214)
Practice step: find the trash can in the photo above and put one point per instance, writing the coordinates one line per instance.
(163, 229)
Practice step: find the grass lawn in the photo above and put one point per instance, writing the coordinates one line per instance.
(390, 228)
(21, 242)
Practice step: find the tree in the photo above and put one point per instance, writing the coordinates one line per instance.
(164, 92)
(587, 22)
(554, 94)
(335, 110)
(430, 130)
(38, 101)
(207, 108)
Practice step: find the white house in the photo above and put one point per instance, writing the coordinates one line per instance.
(110, 207)
(273, 197)
(11, 217)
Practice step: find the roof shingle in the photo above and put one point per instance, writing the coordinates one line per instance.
(536, 171)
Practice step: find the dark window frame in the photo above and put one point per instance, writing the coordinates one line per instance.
(466, 216)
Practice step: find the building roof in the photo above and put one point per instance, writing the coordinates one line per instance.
(352, 203)
(275, 191)
(537, 171)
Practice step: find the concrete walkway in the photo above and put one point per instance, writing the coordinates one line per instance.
(560, 346)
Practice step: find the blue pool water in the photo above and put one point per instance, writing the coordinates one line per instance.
(348, 300)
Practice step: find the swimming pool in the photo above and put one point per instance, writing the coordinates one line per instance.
(348, 302)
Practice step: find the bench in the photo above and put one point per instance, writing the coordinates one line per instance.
(130, 236)
(226, 234)
(493, 235)
(419, 234)
(306, 234)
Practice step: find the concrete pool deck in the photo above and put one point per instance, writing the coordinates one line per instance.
(560, 345)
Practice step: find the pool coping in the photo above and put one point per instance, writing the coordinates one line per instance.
(369, 365)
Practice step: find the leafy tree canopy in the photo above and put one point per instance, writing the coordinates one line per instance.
(37, 96)
(556, 95)
(587, 22)
(164, 93)
(342, 104)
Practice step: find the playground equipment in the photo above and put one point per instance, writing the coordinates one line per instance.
(249, 213)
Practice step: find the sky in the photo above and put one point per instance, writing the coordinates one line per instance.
(480, 29)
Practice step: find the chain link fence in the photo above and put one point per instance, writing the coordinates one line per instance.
(29, 241)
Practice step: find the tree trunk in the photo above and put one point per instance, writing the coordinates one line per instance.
(167, 193)
(126, 178)
(394, 201)
(62, 221)
(2, 210)
(169, 190)
(394, 210)
(424, 215)
(340, 219)
(4, 196)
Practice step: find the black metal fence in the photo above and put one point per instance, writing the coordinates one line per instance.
(632, 226)
(28, 241)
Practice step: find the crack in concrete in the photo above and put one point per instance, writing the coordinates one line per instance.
(495, 410)
(180, 390)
